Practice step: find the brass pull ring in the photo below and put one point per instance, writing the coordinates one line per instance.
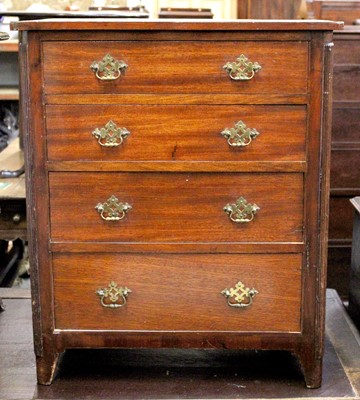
(113, 209)
(242, 69)
(110, 296)
(240, 135)
(239, 296)
(108, 69)
(241, 211)
(110, 135)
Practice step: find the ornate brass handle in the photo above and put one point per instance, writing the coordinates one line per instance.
(110, 135)
(241, 211)
(240, 296)
(242, 69)
(113, 209)
(110, 296)
(239, 135)
(108, 69)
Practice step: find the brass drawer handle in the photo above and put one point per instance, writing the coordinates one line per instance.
(108, 69)
(242, 69)
(113, 209)
(240, 296)
(110, 135)
(240, 135)
(110, 296)
(241, 211)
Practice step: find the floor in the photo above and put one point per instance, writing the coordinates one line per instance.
(174, 374)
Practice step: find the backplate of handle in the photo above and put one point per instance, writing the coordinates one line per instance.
(108, 69)
(242, 69)
(113, 296)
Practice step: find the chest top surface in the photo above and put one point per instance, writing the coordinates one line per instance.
(177, 25)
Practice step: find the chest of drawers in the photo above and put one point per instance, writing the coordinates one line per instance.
(177, 185)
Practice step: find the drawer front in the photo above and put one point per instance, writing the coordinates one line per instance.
(340, 219)
(177, 292)
(346, 83)
(176, 207)
(346, 124)
(343, 174)
(347, 51)
(175, 67)
(175, 133)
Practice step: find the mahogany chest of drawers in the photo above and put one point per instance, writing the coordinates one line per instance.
(177, 184)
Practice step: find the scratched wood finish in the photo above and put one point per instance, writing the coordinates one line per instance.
(157, 133)
(176, 207)
(299, 75)
(175, 67)
(178, 292)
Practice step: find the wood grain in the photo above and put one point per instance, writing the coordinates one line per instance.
(345, 147)
(172, 207)
(343, 173)
(347, 50)
(178, 292)
(346, 82)
(98, 24)
(198, 70)
(346, 123)
(177, 232)
(157, 133)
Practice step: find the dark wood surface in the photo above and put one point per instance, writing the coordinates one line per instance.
(58, 191)
(175, 208)
(176, 373)
(344, 156)
(175, 25)
(280, 73)
(165, 287)
(195, 137)
(343, 10)
(264, 9)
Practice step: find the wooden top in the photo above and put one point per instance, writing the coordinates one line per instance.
(179, 25)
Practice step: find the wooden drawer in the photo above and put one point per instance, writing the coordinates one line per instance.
(176, 207)
(341, 220)
(344, 173)
(347, 51)
(346, 123)
(175, 67)
(175, 133)
(178, 292)
(346, 82)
